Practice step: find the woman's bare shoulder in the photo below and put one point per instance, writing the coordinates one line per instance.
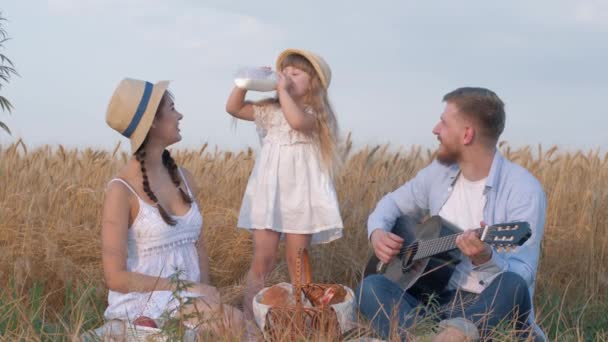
(128, 173)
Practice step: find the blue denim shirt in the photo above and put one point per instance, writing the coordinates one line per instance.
(512, 194)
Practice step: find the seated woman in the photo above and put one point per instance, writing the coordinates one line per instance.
(151, 226)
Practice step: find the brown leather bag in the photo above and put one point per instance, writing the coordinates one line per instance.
(296, 322)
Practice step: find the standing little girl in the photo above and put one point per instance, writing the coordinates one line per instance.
(290, 190)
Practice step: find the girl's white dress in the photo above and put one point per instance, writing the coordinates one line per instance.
(288, 190)
(159, 250)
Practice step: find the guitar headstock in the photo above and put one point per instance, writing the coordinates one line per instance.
(507, 236)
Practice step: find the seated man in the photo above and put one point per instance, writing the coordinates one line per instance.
(469, 184)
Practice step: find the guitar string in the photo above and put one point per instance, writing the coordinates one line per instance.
(436, 245)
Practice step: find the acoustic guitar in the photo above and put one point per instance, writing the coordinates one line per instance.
(429, 255)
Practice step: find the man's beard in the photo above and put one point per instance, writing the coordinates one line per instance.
(447, 156)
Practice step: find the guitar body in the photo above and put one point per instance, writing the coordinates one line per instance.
(429, 253)
(421, 277)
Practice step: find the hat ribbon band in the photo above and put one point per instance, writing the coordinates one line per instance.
(141, 108)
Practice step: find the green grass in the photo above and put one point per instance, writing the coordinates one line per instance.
(27, 314)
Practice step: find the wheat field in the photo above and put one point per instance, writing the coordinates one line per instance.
(50, 214)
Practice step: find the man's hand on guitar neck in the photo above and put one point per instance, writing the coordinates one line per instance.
(386, 245)
(471, 245)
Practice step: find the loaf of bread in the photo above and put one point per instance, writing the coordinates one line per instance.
(324, 295)
(338, 296)
(277, 296)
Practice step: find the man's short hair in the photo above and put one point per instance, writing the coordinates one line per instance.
(481, 105)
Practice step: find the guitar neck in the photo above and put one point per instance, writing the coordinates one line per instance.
(439, 245)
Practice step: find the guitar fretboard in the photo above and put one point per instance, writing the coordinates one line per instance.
(439, 245)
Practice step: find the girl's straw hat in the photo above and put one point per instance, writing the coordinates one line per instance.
(133, 107)
(321, 67)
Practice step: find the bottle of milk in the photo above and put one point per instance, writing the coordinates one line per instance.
(256, 78)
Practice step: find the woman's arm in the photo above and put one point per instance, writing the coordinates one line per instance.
(203, 261)
(203, 258)
(296, 117)
(114, 226)
(237, 106)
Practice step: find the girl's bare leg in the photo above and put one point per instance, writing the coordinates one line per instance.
(293, 242)
(265, 244)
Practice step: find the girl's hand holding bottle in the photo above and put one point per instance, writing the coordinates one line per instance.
(283, 83)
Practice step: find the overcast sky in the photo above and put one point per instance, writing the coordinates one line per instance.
(392, 62)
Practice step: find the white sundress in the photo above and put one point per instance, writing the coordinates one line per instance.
(157, 249)
(288, 190)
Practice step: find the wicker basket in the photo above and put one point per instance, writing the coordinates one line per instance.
(289, 323)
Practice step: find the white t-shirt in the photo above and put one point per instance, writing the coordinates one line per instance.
(464, 208)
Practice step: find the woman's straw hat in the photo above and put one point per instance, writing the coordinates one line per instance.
(133, 107)
(321, 67)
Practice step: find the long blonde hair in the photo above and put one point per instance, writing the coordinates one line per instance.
(325, 133)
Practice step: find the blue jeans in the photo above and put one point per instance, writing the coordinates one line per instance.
(506, 298)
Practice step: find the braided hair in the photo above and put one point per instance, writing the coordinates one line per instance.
(169, 163)
(175, 177)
